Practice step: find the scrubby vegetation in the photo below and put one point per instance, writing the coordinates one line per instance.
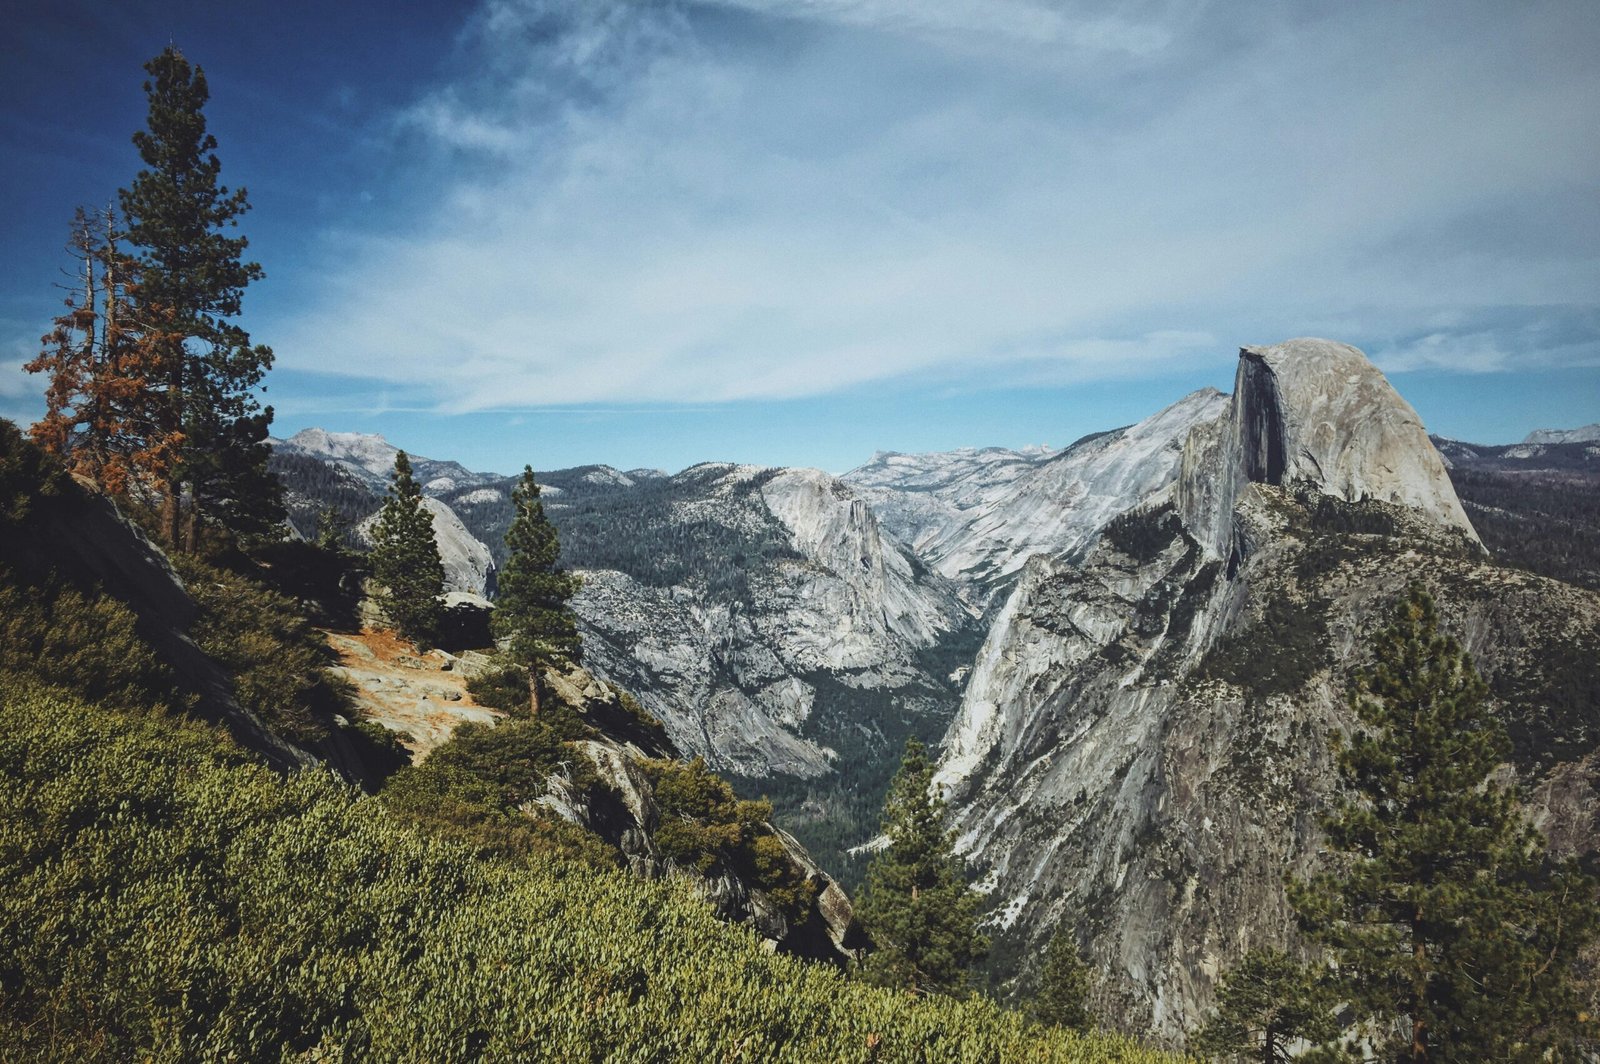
(1277, 654)
(1143, 534)
(480, 788)
(317, 492)
(83, 641)
(1536, 508)
(160, 898)
(705, 827)
(1547, 522)
(864, 726)
(275, 657)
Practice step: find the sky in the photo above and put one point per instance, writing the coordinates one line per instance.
(795, 232)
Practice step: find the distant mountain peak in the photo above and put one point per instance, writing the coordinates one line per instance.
(371, 457)
(1586, 434)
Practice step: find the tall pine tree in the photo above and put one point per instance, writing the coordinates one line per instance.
(405, 558)
(192, 281)
(532, 612)
(1452, 932)
(915, 904)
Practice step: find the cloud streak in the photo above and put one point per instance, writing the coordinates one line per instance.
(636, 203)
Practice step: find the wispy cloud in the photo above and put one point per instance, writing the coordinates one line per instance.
(639, 203)
(1498, 340)
(1129, 29)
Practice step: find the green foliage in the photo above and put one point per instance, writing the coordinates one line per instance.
(1554, 696)
(1266, 1005)
(867, 728)
(323, 500)
(455, 804)
(1279, 653)
(705, 827)
(1453, 934)
(383, 739)
(161, 900)
(275, 657)
(916, 906)
(1065, 983)
(514, 758)
(641, 726)
(27, 476)
(479, 788)
(531, 609)
(504, 688)
(1143, 534)
(192, 281)
(405, 559)
(1545, 521)
(84, 642)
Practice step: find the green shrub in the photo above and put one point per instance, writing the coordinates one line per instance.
(87, 643)
(478, 789)
(160, 900)
(275, 657)
(704, 826)
(504, 688)
(1143, 534)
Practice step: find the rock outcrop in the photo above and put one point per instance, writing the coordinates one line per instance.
(370, 459)
(1318, 413)
(80, 535)
(1585, 434)
(424, 698)
(468, 564)
(1143, 746)
(834, 607)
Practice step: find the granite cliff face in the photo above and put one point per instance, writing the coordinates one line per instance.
(977, 517)
(1313, 412)
(1142, 749)
(468, 565)
(751, 676)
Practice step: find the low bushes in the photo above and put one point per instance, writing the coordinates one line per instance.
(160, 899)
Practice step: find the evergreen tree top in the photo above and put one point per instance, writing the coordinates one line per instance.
(176, 205)
(1450, 928)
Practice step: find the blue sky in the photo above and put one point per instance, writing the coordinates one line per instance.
(798, 231)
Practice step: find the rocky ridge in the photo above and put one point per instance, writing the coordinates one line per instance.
(977, 517)
(1586, 434)
(739, 677)
(468, 564)
(1142, 748)
(370, 459)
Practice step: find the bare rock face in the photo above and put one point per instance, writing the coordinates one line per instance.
(978, 516)
(837, 611)
(1317, 413)
(1144, 744)
(81, 532)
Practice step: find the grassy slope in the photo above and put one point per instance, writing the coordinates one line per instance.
(160, 896)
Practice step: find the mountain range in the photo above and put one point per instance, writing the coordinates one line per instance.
(1132, 650)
